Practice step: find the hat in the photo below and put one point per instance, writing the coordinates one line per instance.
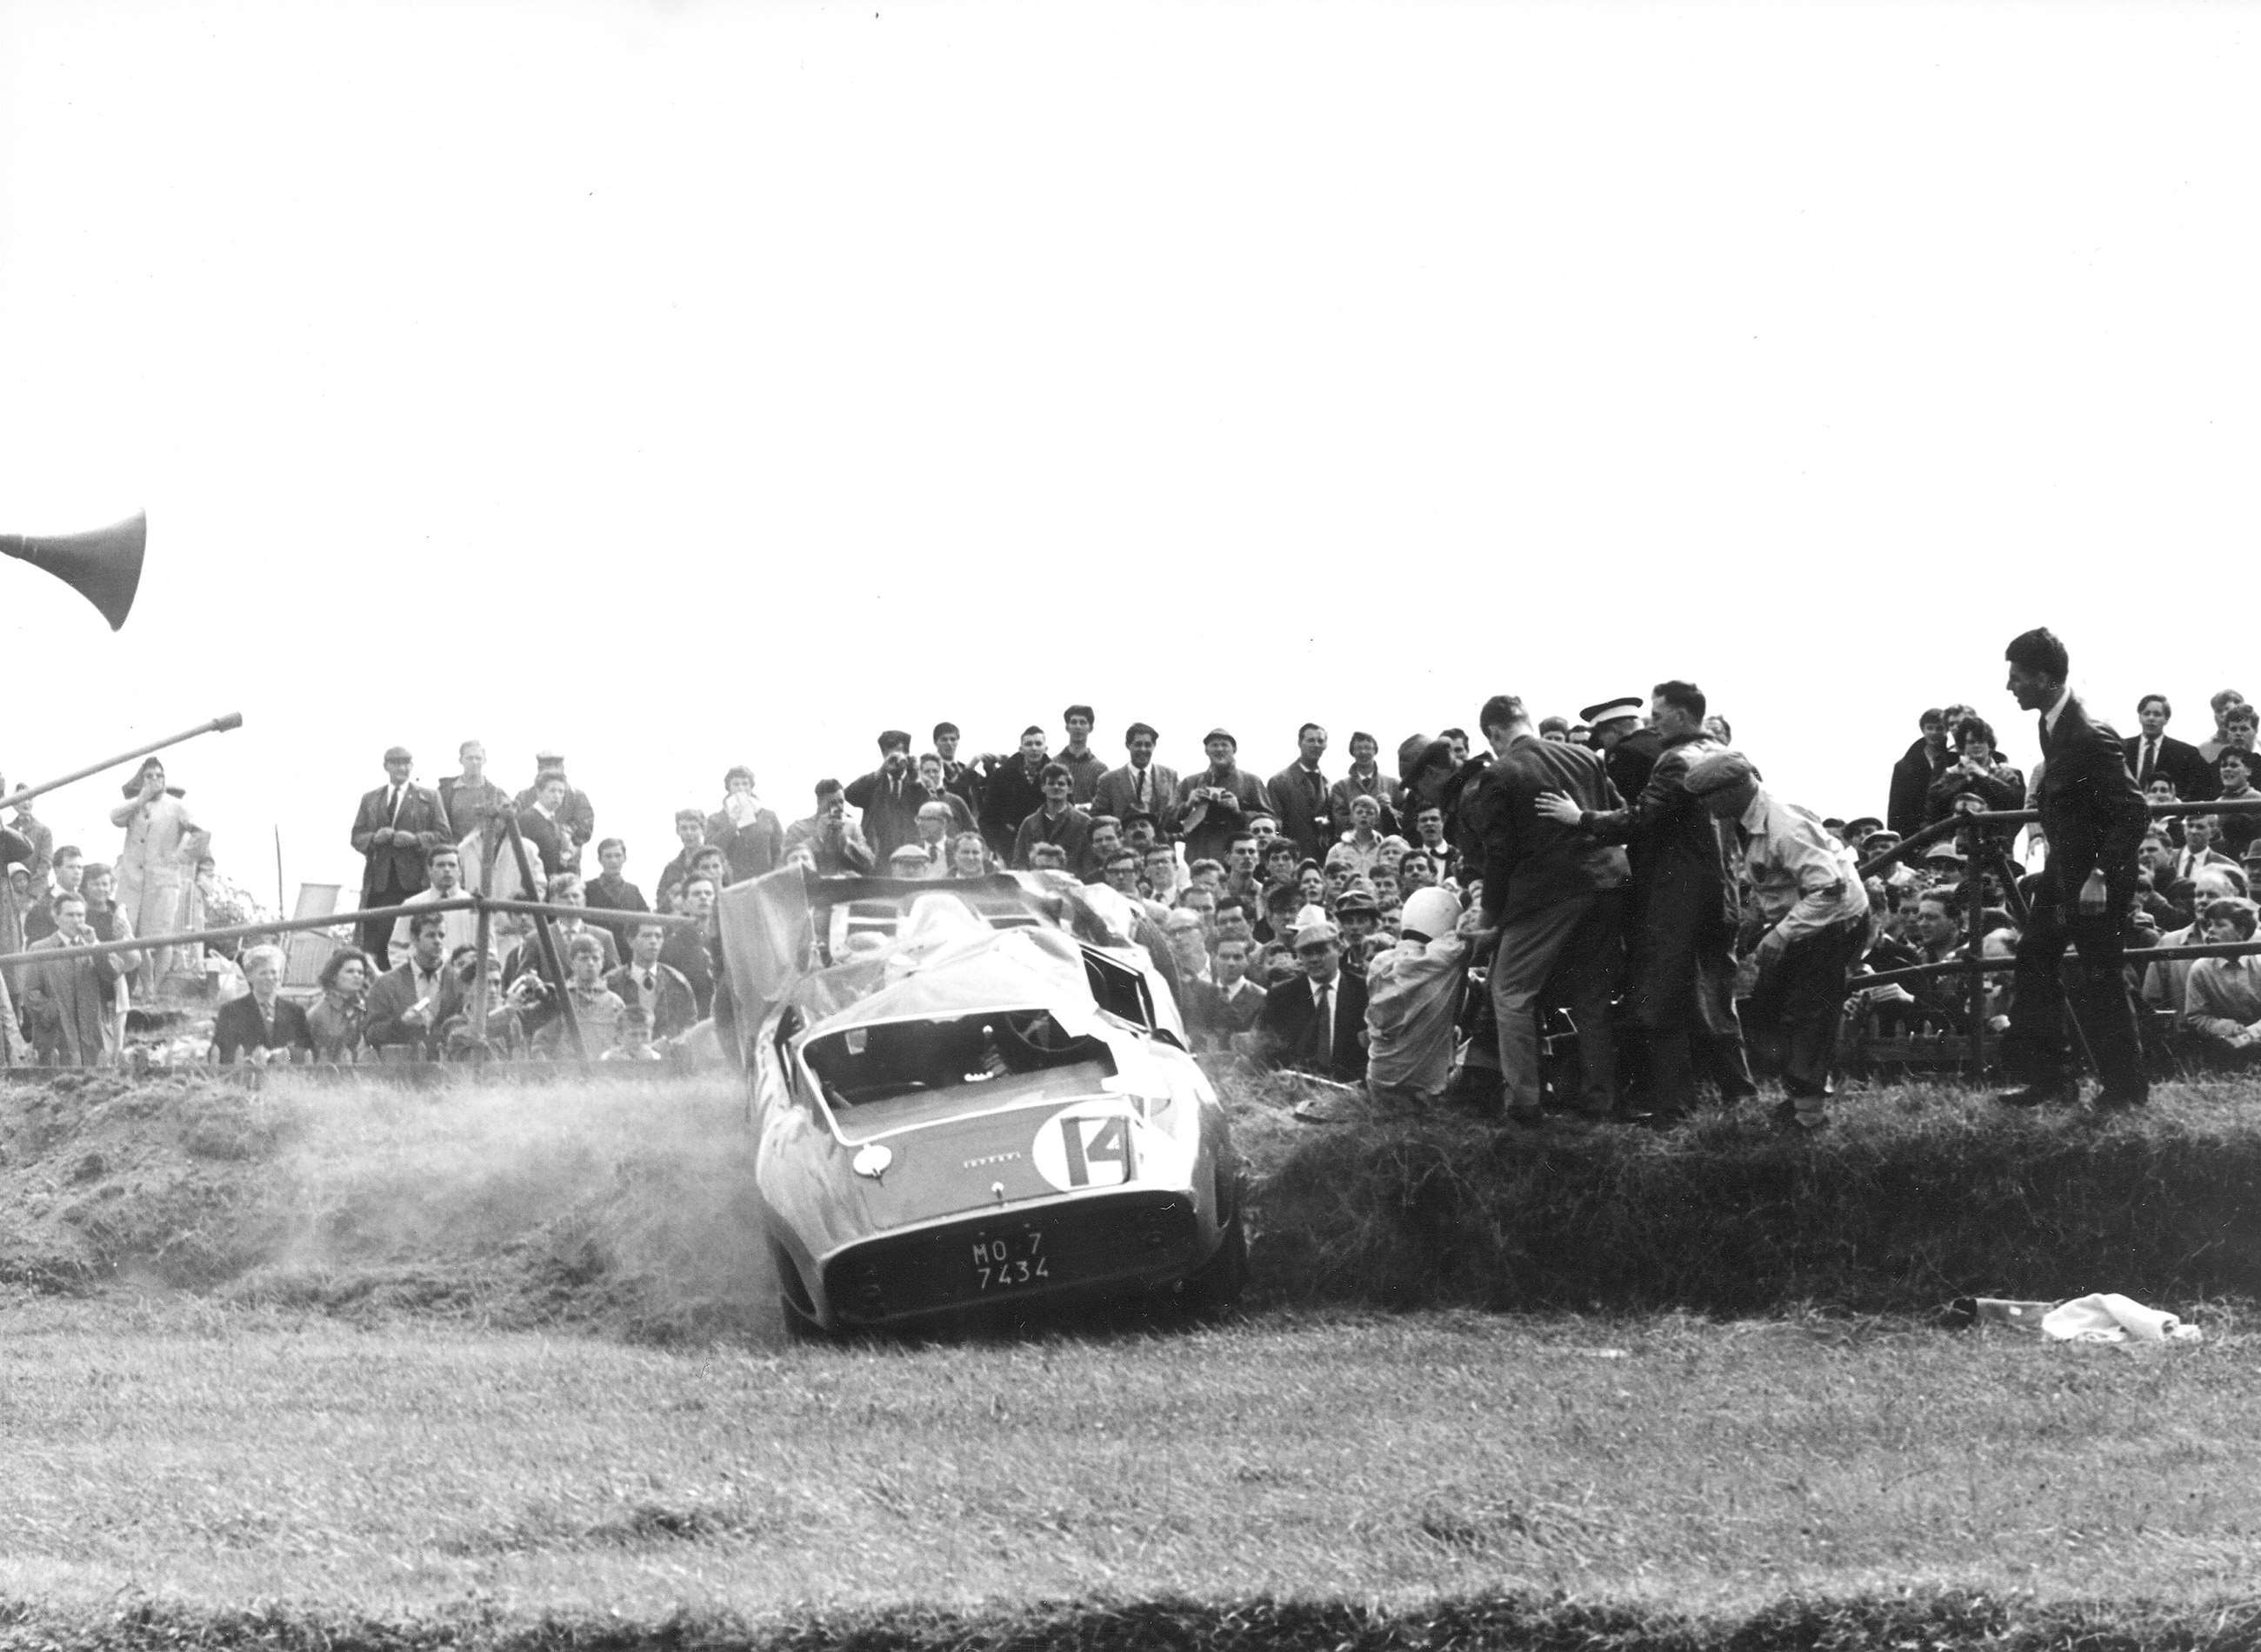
(1719, 772)
(392, 754)
(1221, 733)
(1319, 931)
(1862, 825)
(1943, 849)
(1308, 914)
(132, 787)
(1139, 814)
(1611, 710)
(1357, 899)
(1880, 833)
(1433, 912)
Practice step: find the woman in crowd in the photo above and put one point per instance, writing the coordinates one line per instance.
(747, 831)
(336, 1023)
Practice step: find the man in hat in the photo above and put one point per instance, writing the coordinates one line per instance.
(1140, 785)
(1316, 1020)
(1685, 911)
(1629, 750)
(1553, 897)
(889, 796)
(1218, 803)
(1300, 794)
(575, 815)
(397, 826)
(1806, 886)
(1012, 790)
(2094, 818)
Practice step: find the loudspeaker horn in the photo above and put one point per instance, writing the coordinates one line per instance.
(104, 566)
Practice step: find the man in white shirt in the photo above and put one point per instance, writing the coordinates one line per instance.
(445, 867)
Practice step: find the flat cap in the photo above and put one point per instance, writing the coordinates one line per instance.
(1221, 733)
(398, 754)
(1719, 772)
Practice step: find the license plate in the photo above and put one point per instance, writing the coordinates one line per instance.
(1009, 1261)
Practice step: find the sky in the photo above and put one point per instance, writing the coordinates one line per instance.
(681, 384)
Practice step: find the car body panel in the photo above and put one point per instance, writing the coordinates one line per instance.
(951, 1080)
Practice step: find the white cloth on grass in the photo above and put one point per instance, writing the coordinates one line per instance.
(2106, 1316)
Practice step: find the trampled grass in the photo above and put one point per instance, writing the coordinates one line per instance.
(212, 1456)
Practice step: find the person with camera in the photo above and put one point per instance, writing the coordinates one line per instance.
(889, 796)
(403, 1005)
(1215, 805)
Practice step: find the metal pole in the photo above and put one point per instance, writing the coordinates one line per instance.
(218, 725)
(548, 937)
(479, 983)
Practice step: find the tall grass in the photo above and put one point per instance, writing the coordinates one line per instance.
(1913, 1196)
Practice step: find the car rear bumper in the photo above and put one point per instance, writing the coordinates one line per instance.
(1125, 1240)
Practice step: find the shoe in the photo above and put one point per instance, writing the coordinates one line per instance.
(2049, 1093)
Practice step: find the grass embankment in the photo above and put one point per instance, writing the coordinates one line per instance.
(211, 1455)
(625, 1209)
(618, 1207)
(1913, 1196)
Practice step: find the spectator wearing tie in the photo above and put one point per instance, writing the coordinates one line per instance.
(2095, 819)
(2155, 754)
(400, 1019)
(444, 867)
(661, 990)
(263, 1026)
(957, 779)
(1316, 1020)
(1139, 786)
(1300, 793)
(889, 796)
(396, 830)
(538, 823)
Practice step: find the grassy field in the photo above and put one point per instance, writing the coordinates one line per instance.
(213, 1456)
(356, 1367)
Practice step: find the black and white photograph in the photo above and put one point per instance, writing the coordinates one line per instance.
(1280, 826)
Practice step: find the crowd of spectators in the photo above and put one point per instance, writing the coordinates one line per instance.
(1607, 917)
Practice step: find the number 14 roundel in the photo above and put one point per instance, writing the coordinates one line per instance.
(1094, 1144)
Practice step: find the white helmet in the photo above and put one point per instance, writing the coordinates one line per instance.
(1431, 911)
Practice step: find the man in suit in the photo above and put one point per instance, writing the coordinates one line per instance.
(2094, 818)
(957, 779)
(889, 796)
(1317, 1021)
(398, 825)
(1140, 786)
(1685, 910)
(1300, 794)
(1553, 899)
(402, 1004)
(2154, 752)
(263, 1026)
(662, 989)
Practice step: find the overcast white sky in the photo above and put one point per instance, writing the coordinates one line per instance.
(682, 384)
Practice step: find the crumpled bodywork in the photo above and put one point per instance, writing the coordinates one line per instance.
(969, 1093)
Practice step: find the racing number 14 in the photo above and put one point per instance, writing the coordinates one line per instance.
(1110, 1145)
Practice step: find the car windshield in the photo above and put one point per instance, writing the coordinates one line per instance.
(864, 1063)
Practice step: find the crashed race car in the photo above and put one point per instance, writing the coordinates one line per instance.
(969, 1096)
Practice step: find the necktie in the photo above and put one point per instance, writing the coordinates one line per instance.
(2150, 762)
(392, 813)
(1318, 1046)
(2044, 730)
(1141, 773)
